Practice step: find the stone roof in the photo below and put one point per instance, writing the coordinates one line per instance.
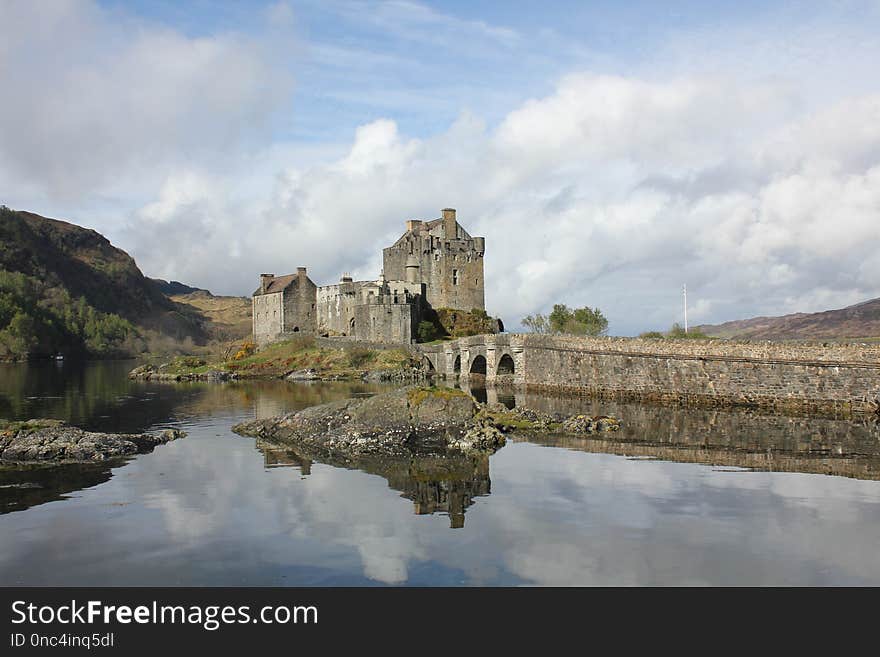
(278, 284)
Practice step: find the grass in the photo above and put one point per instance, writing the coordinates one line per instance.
(417, 396)
(300, 353)
(514, 421)
(27, 425)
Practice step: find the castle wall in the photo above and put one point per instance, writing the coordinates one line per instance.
(386, 322)
(268, 317)
(300, 314)
(336, 306)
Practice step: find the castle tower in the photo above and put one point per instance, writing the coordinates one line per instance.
(443, 256)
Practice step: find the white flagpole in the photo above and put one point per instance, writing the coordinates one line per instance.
(685, 308)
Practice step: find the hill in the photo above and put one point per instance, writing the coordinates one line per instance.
(858, 322)
(225, 318)
(171, 288)
(67, 289)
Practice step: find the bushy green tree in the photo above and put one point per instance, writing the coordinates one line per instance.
(577, 321)
(426, 331)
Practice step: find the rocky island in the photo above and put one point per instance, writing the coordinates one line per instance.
(53, 441)
(409, 421)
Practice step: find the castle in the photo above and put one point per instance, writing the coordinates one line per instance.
(435, 264)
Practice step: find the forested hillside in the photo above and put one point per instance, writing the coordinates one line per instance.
(66, 289)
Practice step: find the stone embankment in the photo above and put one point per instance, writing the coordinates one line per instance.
(412, 420)
(53, 441)
(841, 380)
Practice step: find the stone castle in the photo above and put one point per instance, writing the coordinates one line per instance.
(435, 264)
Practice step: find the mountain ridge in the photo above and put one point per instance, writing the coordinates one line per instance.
(858, 321)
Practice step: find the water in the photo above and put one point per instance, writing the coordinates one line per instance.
(679, 497)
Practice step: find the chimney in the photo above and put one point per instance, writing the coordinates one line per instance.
(449, 230)
(300, 273)
(414, 225)
(346, 278)
(265, 281)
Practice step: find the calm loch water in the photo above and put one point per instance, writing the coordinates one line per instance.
(679, 497)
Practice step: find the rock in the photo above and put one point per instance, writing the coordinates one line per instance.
(406, 374)
(142, 372)
(302, 375)
(587, 424)
(161, 373)
(509, 419)
(412, 420)
(579, 424)
(55, 441)
(482, 436)
(605, 423)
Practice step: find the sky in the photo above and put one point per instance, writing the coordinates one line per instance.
(609, 152)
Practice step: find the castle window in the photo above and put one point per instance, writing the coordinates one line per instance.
(455, 277)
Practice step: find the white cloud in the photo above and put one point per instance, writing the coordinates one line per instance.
(95, 99)
(610, 190)
(579, 194)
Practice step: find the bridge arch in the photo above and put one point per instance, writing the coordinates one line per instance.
(478, 365)
(505, 365)
(456, 367)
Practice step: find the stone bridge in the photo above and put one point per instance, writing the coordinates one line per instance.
(492, 359)
(842, 379)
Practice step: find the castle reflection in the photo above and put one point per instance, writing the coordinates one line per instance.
(435, 484)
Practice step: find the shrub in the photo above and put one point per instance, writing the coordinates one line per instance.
(427, 332)
(247, 349)
(359, 356)
(191, 361)
(692, 334)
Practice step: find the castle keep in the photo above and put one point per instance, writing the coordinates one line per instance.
(435, 264)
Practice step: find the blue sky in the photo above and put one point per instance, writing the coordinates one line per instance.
(608, 151)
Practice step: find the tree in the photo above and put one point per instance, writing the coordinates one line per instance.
(589, 321)
(578, 321)
(426, 331)
(536, 323)
(559, 317)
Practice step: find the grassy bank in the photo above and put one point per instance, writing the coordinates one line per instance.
(280, 359)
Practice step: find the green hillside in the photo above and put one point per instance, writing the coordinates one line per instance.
(67, 289)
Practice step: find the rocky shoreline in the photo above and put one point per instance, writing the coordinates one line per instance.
(161, 373)
(411, 421)
(54, 442)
